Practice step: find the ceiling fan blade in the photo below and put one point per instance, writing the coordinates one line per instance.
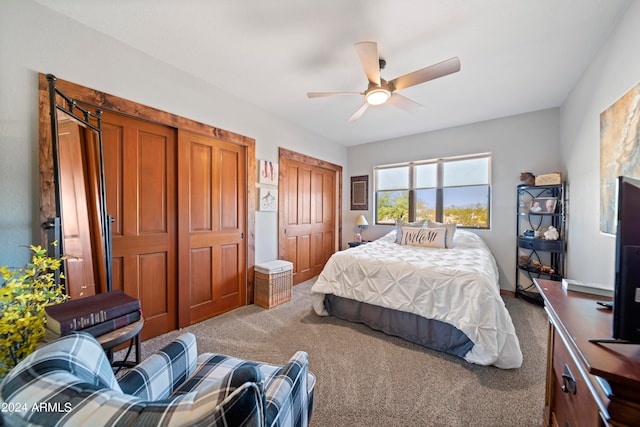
(358, 113)
(368, 54)
(440, 69)
(404, 103)
(321, 94)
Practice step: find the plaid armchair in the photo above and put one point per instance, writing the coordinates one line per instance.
(70, 382)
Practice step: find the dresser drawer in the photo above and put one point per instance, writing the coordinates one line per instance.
(573, 403)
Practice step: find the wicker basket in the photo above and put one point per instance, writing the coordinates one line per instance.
(273, 283)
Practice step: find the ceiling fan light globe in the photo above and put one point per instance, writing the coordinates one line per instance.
(377, 96)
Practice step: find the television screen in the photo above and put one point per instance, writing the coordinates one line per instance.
(626, 307)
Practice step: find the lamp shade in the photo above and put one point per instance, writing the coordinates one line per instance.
(361, 220)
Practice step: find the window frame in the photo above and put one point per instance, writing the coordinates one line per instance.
(439, 187)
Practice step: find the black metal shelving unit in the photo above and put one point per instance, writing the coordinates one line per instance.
(546, 258)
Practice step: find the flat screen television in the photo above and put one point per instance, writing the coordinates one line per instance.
(626, 305)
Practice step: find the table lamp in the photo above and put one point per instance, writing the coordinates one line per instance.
(362, 224)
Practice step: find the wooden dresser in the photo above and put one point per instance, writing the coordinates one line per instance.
(588, 384)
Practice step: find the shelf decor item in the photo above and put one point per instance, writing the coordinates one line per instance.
(543, 205)
(549, 179)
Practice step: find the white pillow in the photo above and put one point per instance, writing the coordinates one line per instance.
(451, 231)
(400, 224)
(426, 237)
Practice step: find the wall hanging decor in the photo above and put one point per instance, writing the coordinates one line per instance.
(268, 199)
(268, 172)
(619, 146)
(360, 193)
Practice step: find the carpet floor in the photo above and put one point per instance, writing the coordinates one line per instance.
(367, 378)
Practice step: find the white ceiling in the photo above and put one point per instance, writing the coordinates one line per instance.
(516, 55)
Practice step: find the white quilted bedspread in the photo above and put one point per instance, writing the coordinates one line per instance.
(458, 286)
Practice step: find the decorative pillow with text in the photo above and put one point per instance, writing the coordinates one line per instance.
(451, 231)
(400, 224)
(426, 237)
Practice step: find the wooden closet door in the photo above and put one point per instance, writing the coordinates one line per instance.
(212, 208)
(140, 174)
(323, 203)
(309, 194)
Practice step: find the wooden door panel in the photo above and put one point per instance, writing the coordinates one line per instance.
(229, 258)
(290, 194)
(154, 291)
(140, 173)
(212, 224)
(200, 186)
(291, 252)
(229, 191)
(305, 196)
(152, 183)
(201, 276)
(303, 248)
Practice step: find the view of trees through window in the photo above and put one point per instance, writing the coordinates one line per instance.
(455, 191)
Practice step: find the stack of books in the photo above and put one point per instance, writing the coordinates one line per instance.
(97, 315)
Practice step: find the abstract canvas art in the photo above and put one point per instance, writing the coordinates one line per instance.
(619, 152)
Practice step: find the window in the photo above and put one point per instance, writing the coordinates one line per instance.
(453, 190)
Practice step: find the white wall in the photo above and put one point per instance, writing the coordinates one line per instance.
(614, 71)
(526, 142)
(34, 39)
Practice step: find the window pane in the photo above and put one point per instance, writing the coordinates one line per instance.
(426, 204)
(426, 176)
(466, 172)
(467, 206)
(393, 178)
(392, 205)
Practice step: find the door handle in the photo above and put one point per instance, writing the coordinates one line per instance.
(568, 381)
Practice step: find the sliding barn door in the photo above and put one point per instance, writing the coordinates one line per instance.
(309, 217)
(140, 174)
(212, 216)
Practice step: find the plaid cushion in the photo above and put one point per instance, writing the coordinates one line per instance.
(159, 375)
(70, 382)
(288, 390)
(77, 353)
(71, 403)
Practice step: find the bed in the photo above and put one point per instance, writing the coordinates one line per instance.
(447, 299)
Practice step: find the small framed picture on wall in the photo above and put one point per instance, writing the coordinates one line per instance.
(268, 172)
(360, 193)
(268, 200)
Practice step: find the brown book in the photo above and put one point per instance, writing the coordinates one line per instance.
(81, 313)
(113, 324)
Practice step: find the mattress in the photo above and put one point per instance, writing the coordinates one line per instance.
(457, 286)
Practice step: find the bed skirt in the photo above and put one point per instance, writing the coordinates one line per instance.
(429, 333)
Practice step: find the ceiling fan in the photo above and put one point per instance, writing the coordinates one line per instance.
(380, 91)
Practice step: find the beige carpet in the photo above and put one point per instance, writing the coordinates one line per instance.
(366, 378)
